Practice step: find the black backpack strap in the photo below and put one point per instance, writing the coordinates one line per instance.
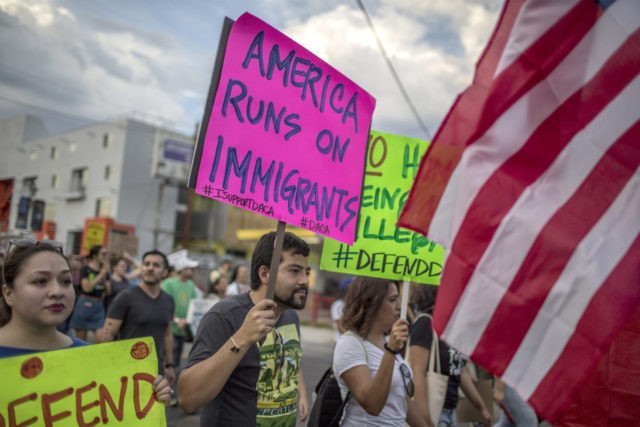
(328, 372)
(335, 419)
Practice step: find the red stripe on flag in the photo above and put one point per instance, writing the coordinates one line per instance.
(464, 125)
(553, 248)
(488, 62)
(458, 272)
(536, 63)
(506, 184)
(609, 310)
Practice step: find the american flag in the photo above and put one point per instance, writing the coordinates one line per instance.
(532, 184)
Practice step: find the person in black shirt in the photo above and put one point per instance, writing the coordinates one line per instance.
(452, 363)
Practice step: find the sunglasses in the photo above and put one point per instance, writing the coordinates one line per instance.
(27, 243)
(406, 379)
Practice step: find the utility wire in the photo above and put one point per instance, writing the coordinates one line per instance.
(84, 120)
(396, 77)
(112, 121)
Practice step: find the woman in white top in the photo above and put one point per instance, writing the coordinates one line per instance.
(367, 360)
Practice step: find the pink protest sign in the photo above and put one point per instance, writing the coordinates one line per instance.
(284, 134)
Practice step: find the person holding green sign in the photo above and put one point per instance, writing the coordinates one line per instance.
(367, 359)
(37, 296)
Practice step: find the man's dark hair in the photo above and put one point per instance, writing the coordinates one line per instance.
(157, 252)
(94, 251)
(263, 252)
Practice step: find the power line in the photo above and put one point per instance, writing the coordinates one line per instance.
(26, 74)
(112, 121)
(395, 75)
(85, 120)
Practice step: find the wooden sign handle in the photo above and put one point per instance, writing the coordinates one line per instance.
(275, 259)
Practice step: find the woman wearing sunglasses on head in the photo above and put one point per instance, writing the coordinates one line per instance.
(38, 295)
(367, 360)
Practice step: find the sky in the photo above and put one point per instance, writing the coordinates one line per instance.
(78, 62)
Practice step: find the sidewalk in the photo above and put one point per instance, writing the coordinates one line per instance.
(316, 335)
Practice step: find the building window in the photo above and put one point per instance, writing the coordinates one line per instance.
(74, 242)
(72, 147)
(106, 140)
(54, 181)
(29, 187)
(78, 179)
(50, 211)
(54, 152)
(103, 206)
(107, 172)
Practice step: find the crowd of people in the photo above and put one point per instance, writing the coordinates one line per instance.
(38, 296)
(244, 365)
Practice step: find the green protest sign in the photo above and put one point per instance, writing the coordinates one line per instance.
(100, 384)
(381, 249)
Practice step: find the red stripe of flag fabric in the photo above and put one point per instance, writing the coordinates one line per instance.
(532, 183)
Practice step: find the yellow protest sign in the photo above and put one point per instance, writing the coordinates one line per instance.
(382, 249)
(101, 384)
(93, 235)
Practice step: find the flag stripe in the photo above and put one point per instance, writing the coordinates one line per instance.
(537, 199)
(593, 334)
(531, 24)
(544, 263)
(498, 194)
(493, 149)
(461, 129)
(584, 272)
(488, 62)
(531, 212)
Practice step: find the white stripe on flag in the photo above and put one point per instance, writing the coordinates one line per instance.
(515, 126)
(579, 281)
(534, 19)
(519, 229)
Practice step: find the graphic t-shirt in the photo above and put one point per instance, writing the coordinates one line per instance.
(90, 274)
(277, 386)
(267, 376)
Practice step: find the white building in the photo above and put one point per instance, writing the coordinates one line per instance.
(127, 170)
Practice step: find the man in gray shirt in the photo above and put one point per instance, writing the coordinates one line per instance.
(244, 365)
(145, 310)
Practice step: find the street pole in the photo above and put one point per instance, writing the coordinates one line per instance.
(186, 227)
(156, 229)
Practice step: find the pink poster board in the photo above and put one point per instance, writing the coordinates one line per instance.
(284, 135)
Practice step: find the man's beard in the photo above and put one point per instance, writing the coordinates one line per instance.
(153, 280)
(291, 300)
